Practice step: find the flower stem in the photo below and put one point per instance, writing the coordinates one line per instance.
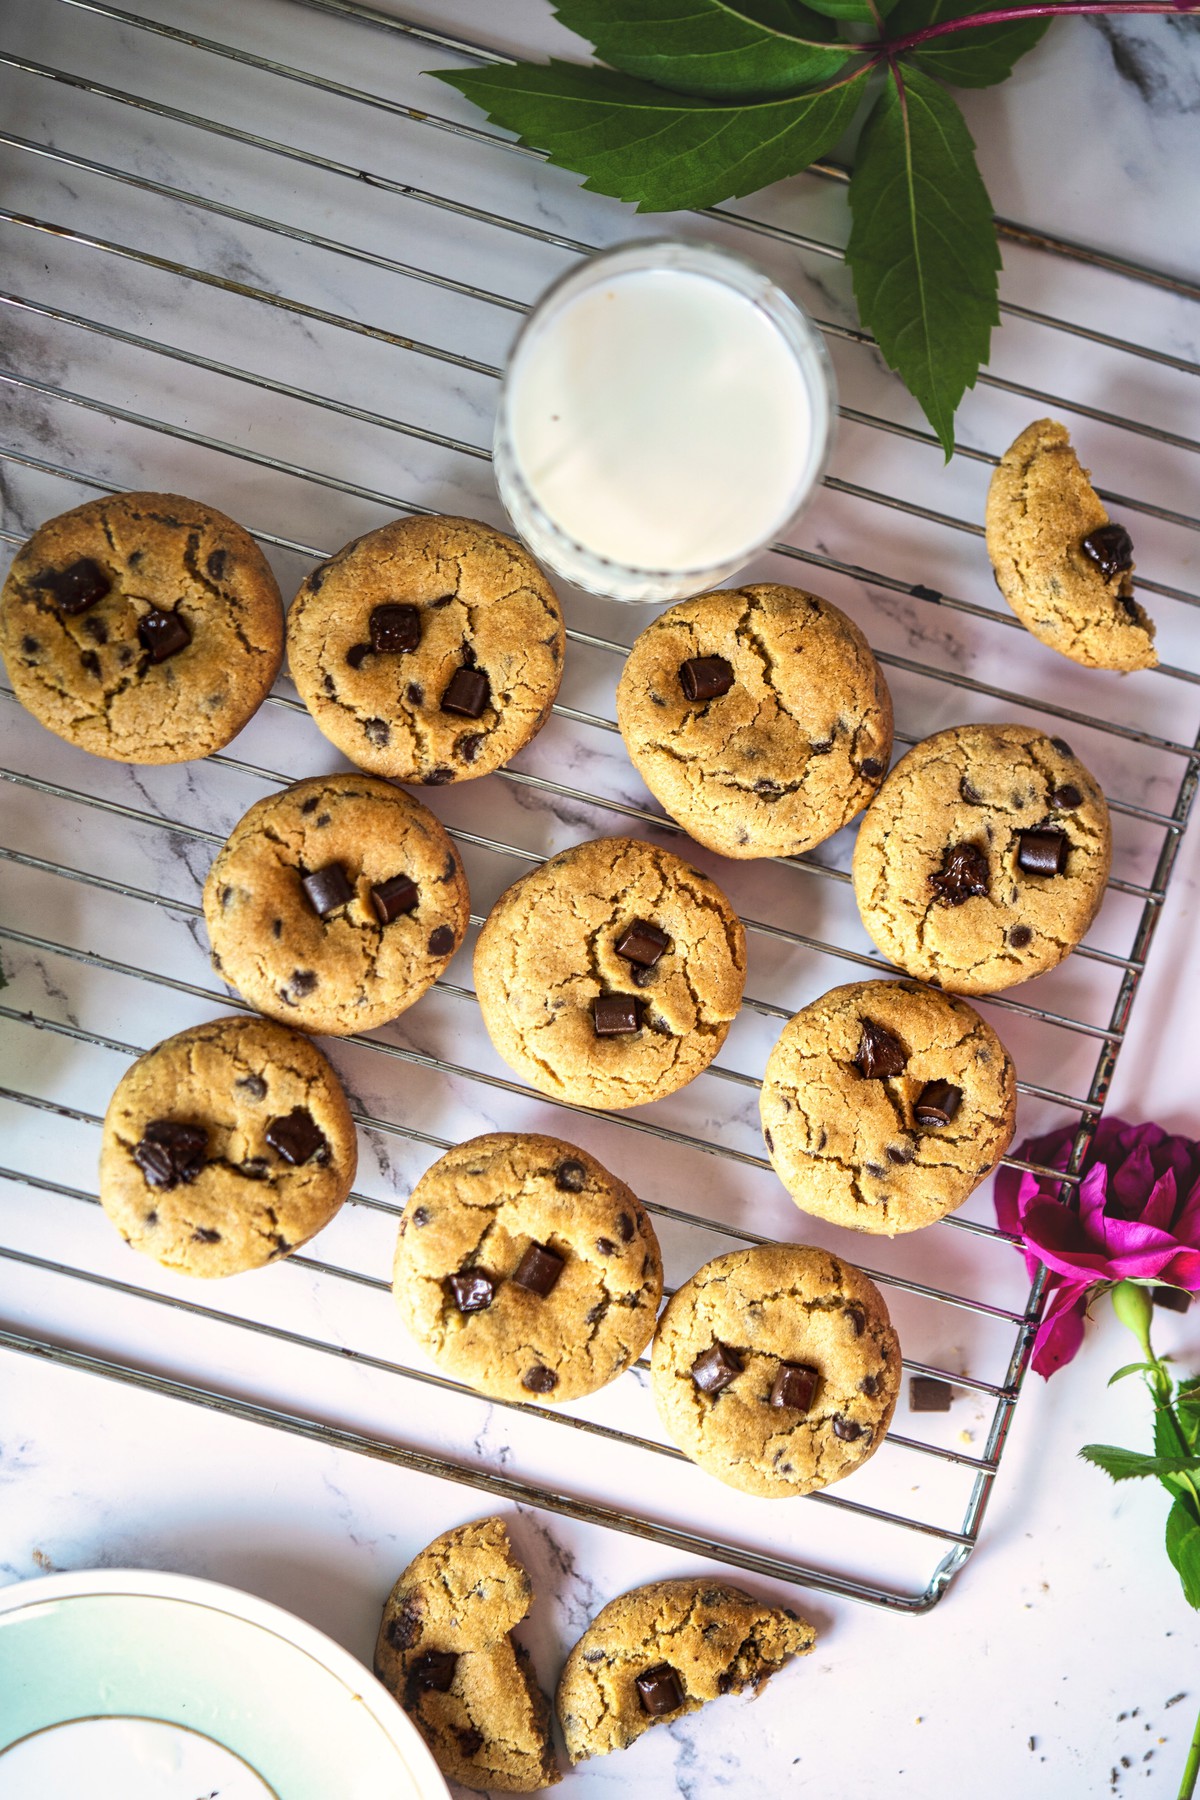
(1191, 1768)
(1006, 15)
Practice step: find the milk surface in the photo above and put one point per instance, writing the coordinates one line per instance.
(661, 420)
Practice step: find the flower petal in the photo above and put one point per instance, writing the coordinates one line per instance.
(1159, 1209)
(1187, 1225)
(1061, 1330)
(1183, 1270)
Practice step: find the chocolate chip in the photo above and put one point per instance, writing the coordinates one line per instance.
(471, 1290)
(467, 694)
(625, 1228)
(76, 587)
(616, 1015)
(880, 1053)
(539, 1379)
(1171, 1299)
(96, 629)
(1110, 547)
(872, 768)
(926, 1394)
(1019, 936)
(1062, 746)
(303, 982)
(421, 1216)
(538, 1270)
(255, 1168)
(202, 1235)
(642, 977)
(570, 1176)
(394, 628)
(163, 634)
(857, 1317)
(606, 1247)
(659, 1690)
(1042, 852)
(846, 1429)
(392, 897)
(714, 1369)
(254, 1085)
(795, 1386)
(869, 1385)
(441, 940)
(151, 1218)
(327, 889)
(414, 693)
(642, 943)
(216, 563)
(705, 677)
(963, 874)
(1066, 797)
(357, 655)
(469, 1741)
(90, 661)
(469, 746)
(30, 646)
(969, 792)
(900, 1153)
(937, 1104)
(405, 1628)
(434, 1670)
(820, 747)
(378, 732)
(876, 1170)
(437, 777)
(168, 1152)
(297, 1137)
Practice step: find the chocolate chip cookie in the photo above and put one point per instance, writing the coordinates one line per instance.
(757, 717)
(662, 1651)
(884, 1104)
(430, 650)
(527, 1270)
(984, 858)
(335, 904)
(445, 1650)
(226, 1147)
(777, 1369)
(610, 975)
(1063, 566)
(145, 628)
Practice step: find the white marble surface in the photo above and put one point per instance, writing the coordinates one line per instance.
(1068, 1615)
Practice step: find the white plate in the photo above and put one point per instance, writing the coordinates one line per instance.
(144, 1686)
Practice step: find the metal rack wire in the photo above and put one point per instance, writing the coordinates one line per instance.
(84, 794)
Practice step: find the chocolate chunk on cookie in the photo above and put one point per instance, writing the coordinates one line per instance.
(777, 1310)
(445, 1650)
(226, 1147)
(555, 974)
(662, 1651)
(145, 628)
(984, 857)
(524, 1268)
(1063, 567)
(430, 650)
(888, 1144)
(757, 717)
(334, 904)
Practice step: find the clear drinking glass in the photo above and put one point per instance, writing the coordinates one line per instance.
(614, 393)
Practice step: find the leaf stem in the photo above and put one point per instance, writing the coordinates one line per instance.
(1006, 15)
(1191, 1768)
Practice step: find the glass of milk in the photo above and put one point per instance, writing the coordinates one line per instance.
(665, 413)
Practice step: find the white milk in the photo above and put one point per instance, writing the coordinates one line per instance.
(660, 424)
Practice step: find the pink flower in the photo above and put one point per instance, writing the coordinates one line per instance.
(1137, 1219)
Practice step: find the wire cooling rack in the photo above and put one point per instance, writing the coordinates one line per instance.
(216, 263)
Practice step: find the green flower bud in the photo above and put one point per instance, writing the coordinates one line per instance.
(1132, 1305)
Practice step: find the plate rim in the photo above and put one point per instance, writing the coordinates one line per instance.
(249, 1608)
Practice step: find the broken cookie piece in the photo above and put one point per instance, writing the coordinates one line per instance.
(446, 1652)
(661, 1651)
(1065, 570)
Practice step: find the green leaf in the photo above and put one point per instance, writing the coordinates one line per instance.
(1128, 1465)
(859, 12)
(1129, 1369)
(665, 151)
(1183, 1548)
(719, 47)
(965, 58)
(922, 248)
